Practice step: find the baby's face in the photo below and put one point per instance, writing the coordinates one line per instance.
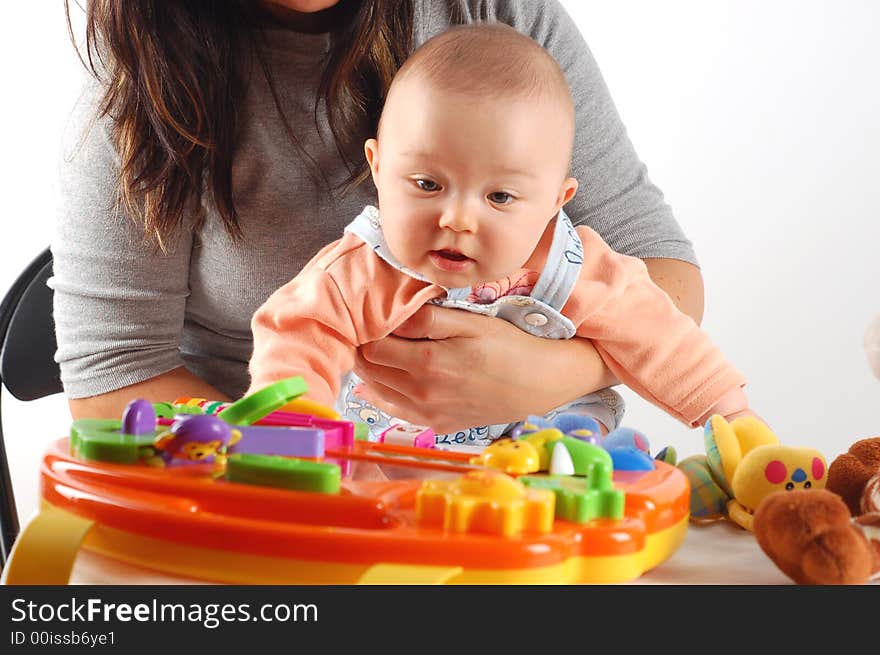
(468, 185)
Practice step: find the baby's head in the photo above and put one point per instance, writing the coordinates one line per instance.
(472, 155)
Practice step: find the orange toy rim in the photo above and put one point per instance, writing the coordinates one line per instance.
(368, 521)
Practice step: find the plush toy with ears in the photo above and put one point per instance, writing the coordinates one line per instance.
(848, 475)
(829, 536)
(744, 463)
(813, 539)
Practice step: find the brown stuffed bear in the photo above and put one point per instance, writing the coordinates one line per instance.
(812, 538)
(848, 473)
(829, 536)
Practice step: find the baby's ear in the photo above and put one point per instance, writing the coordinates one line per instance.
(566, 192)
(371, 150)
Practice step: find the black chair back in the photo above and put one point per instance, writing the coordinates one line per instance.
(27, 366)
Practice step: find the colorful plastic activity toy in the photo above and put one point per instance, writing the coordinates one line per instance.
(274, 490)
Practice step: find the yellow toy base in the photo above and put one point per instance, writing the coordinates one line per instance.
(213, 565)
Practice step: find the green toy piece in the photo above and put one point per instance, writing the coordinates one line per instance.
(164, 410)
(284, 472)
(101, 440)
(582, 499)
(583, 454)
(252, 408)
(361, 431)
(187, 409)
(667, 455)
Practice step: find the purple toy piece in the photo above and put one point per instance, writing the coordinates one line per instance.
(195, 438)
(337, 434)
(287, 441)
(201, 427)
(139, 417)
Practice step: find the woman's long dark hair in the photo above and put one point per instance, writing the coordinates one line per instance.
(174, 84)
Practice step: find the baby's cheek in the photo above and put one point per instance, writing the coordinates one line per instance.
(508, 250)
(409, 248)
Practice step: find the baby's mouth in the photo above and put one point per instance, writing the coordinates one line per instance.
(451, 261)
(452, 255)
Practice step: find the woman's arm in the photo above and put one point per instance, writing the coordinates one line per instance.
(682, 281)
(119, 302)
(162, 388)
(453, 369)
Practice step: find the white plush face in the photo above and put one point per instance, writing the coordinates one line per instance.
(872, 345)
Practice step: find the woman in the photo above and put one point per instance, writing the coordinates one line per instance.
(221, 147)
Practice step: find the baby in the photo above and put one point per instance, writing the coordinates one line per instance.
(471, 165)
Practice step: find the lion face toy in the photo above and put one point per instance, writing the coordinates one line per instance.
(744, 463)
(767, 469)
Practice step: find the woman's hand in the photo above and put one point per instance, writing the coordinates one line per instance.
(451, 369)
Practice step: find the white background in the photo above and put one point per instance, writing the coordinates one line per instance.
(759, 120)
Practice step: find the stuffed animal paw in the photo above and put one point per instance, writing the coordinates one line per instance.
(812, 538)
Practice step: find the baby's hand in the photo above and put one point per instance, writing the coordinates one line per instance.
(731, 405)
(744, 412)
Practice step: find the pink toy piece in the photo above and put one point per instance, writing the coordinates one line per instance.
(277, 440)
(333, 437)
(336, 433)
(404, 434)
(344, 429)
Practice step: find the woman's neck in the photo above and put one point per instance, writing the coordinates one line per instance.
(316, 22)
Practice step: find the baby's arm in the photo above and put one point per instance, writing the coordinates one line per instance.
(304, 328)
(344, 297)
(649, 344)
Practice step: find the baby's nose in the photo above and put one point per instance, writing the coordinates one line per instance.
(459, 220)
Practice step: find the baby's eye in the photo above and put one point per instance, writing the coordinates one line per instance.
(427, 185)
(500, 197)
